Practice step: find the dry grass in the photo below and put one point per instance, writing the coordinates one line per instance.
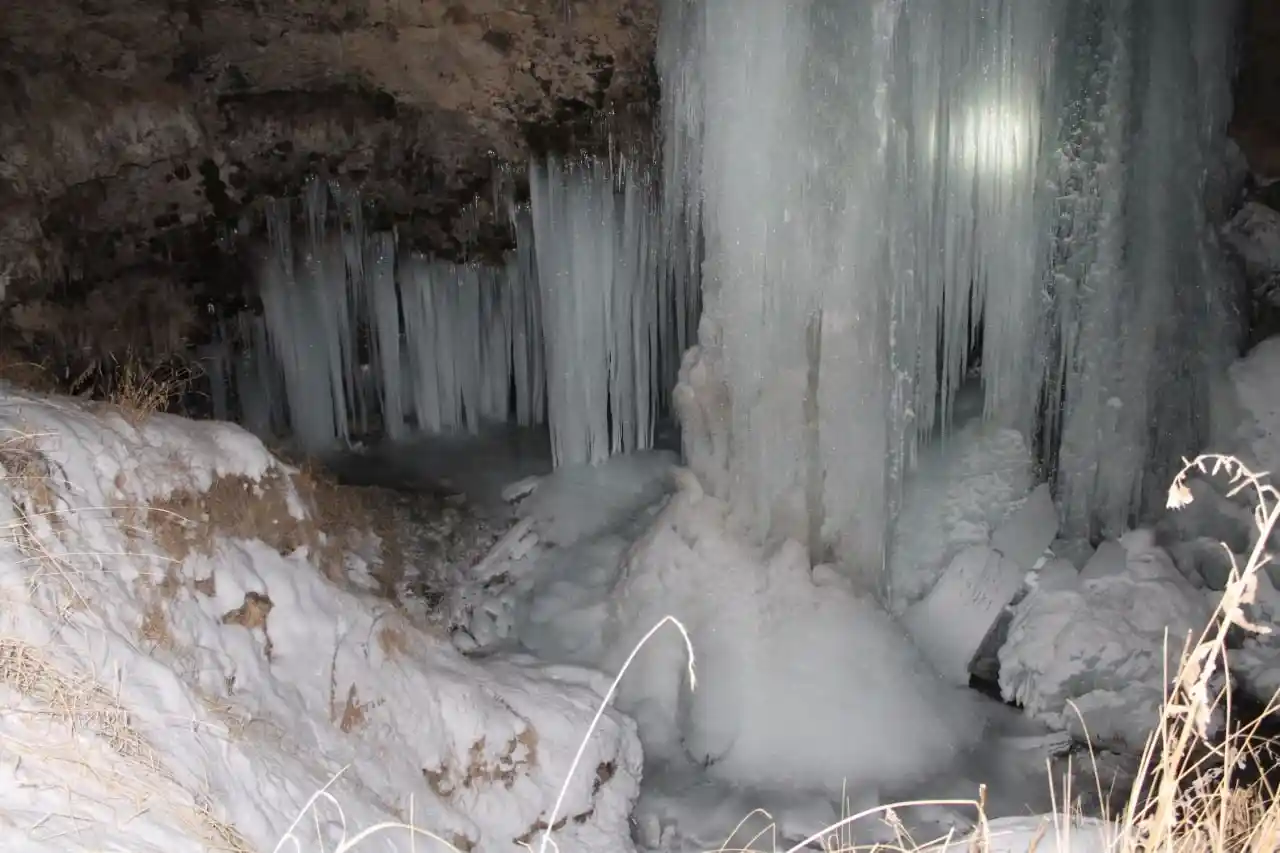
(85, 707)
(28, 473)
(26, 373)
(347, 513)
(139, 390)
(236, 507)
(1187, 798)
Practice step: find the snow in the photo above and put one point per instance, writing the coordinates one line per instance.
(805, 687)
(549, 582)
(156, 698)
(1090, 654)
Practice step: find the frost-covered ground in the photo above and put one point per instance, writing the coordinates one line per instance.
(180, 672)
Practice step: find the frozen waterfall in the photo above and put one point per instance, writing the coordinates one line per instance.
(877, 182)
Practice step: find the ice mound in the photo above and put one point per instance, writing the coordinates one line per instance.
(1099, 642)
(183, 683)
(802, 684)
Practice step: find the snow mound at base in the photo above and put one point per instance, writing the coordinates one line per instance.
(186, 683)
(1100, 643)
(962, 489)
(800, 685)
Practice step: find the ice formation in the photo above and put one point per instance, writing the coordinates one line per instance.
(147, 707)
(892, 192)
(582, 326)
(1254, 234)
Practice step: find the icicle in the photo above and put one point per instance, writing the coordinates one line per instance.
(596, 236)
(357, 331)
(527, 342)
(387, 344)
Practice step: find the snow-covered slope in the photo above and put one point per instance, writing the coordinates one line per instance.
(177, 672)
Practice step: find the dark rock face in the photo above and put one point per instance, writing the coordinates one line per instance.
(1256, 123)
(134, 133)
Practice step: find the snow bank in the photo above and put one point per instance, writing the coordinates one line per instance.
(172, 684)
(546, 580)
(1099, 642)
(801, 683)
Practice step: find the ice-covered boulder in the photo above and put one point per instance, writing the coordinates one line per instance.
(1100, 643)
(1256, 664)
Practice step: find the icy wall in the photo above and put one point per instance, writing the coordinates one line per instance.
(874, 182)
(582, 328)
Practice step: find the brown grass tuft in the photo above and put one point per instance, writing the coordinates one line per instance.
(84, 706)
(354, 711)
(29, 475)
(139, 390)
(155, 625)
(26, 373)
(392, 642)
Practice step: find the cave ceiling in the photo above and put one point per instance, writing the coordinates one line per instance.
(136, 134)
